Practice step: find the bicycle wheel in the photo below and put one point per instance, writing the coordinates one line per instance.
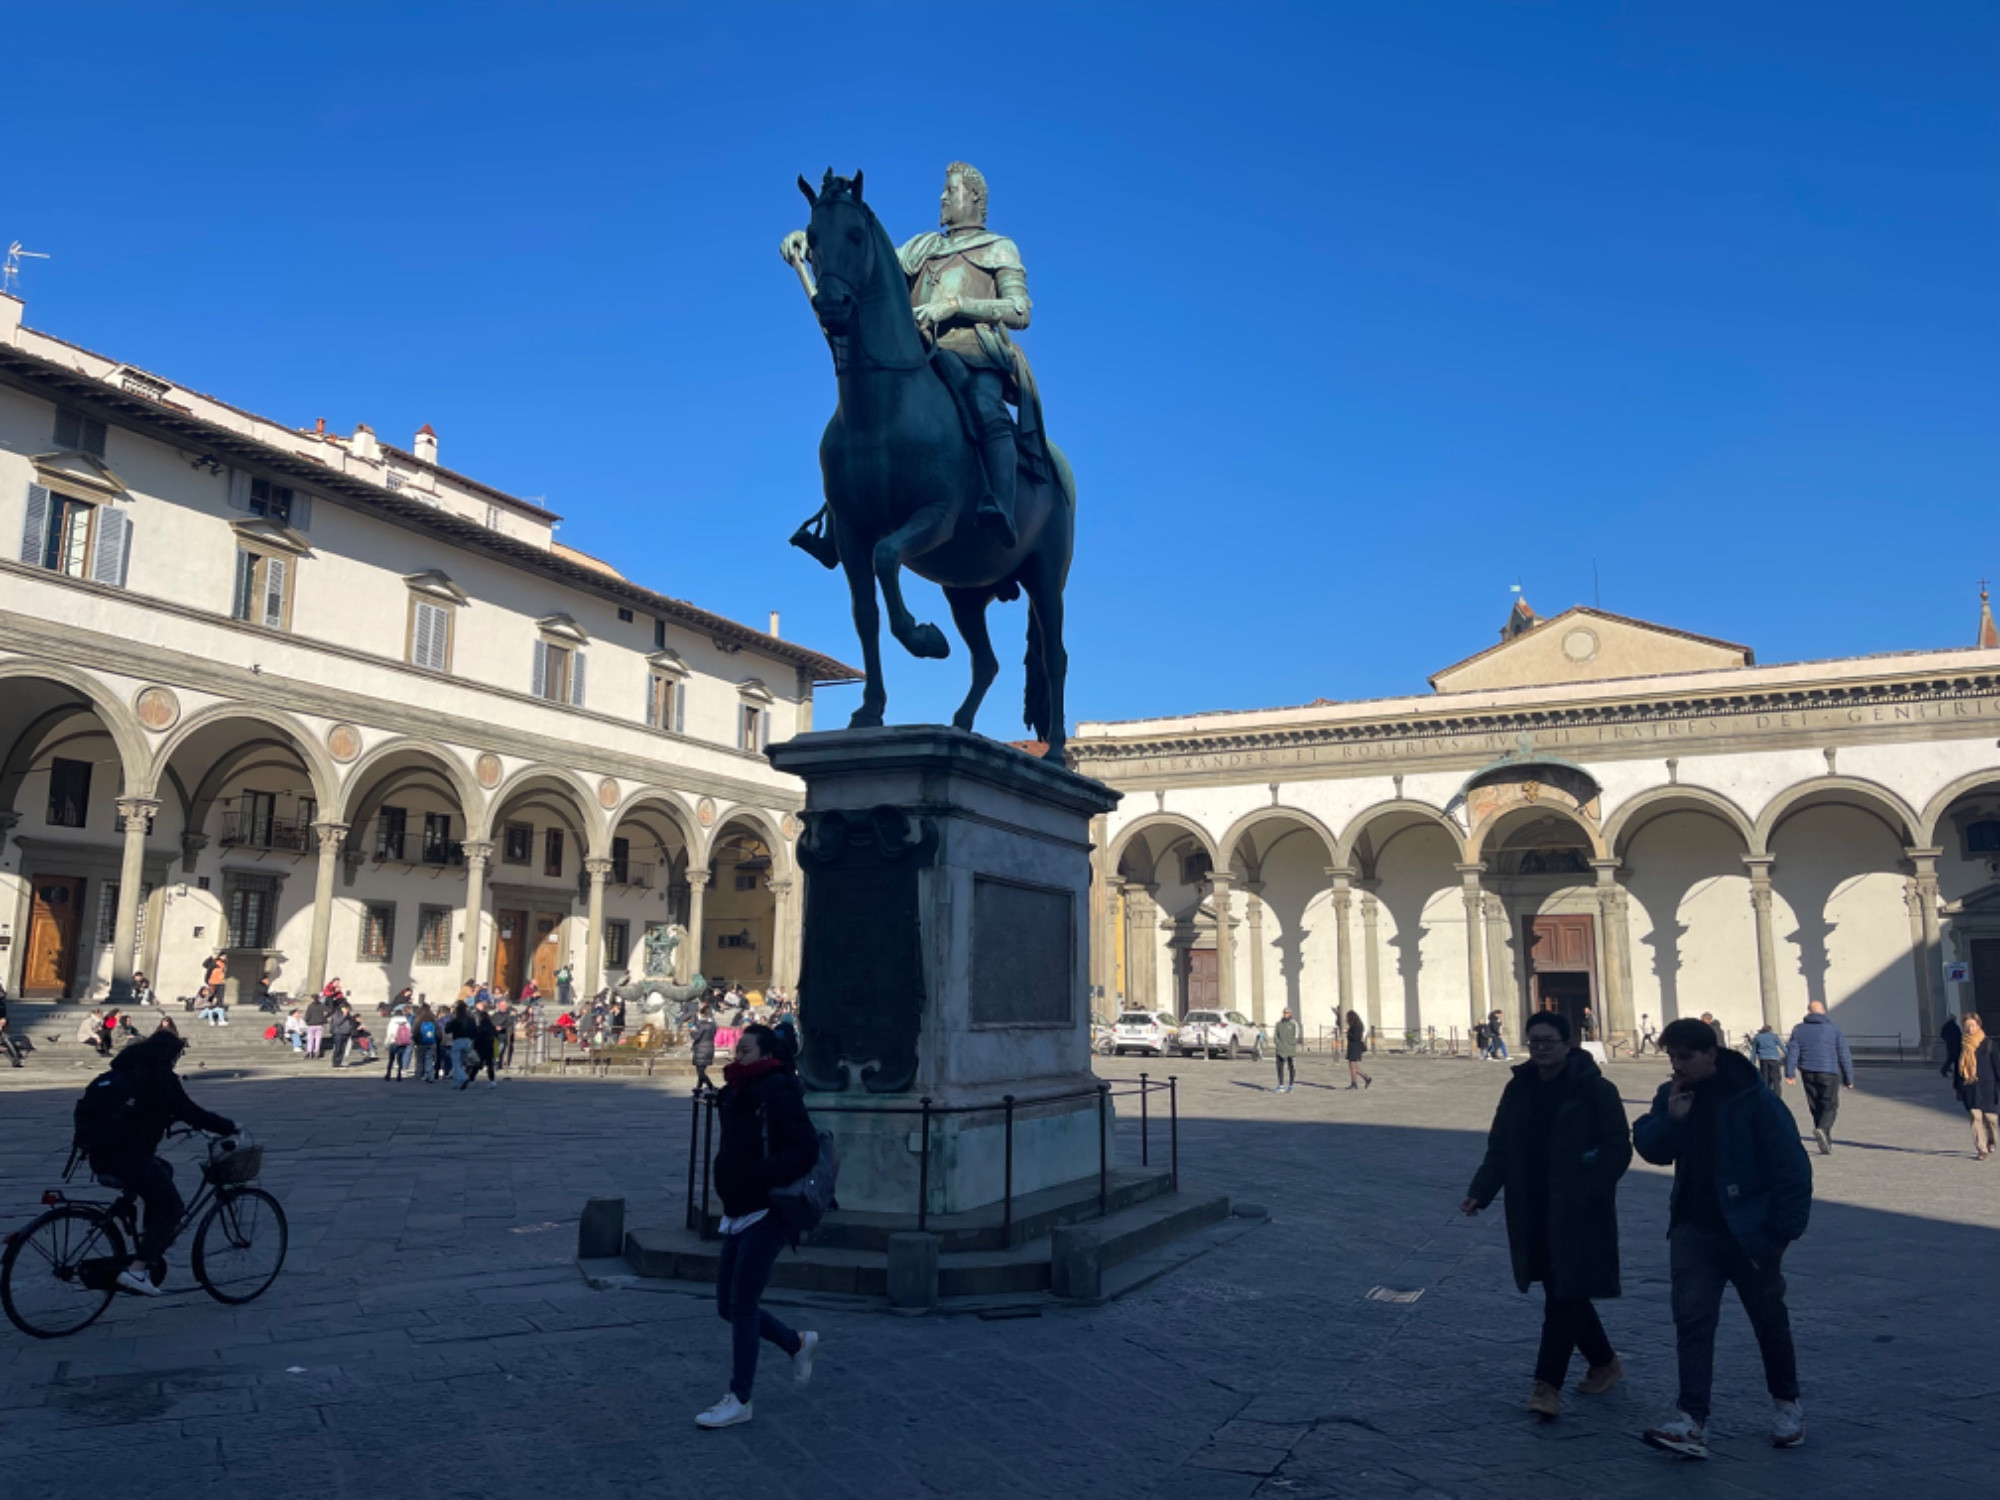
(59, 1273)
(240, 1247)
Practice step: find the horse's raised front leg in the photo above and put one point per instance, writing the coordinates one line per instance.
(867, 625)
(923, 531)
(968, 612)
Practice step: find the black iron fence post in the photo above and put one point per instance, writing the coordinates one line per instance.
(707, 1157)
(1174, 1129)
(924, 1170)
(1145, 1160)
(1007, 1195)
(694, 1145)
(1103, 1148)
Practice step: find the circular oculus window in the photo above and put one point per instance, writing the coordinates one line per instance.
(1580, 644)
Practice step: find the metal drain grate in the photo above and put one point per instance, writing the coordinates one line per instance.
(1391, 1294)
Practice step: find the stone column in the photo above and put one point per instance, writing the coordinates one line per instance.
(1343, 946)
(477, 853)
(1225, 943)
(1371, 955)
(1475, 939)
(1612, 964)
(331, 836)
(1253, 910)
(131, 874)
(1502, 993)
(598, 868)
(784, 934)
(690, 955)
(1142, 945)
(1932, 1001)
(1767, 946)
(1117, 988)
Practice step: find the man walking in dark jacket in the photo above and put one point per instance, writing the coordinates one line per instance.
(1558, 1146)
(1742, 1194)
(1817, 1053)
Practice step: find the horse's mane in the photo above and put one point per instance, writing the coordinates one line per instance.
(842, 189)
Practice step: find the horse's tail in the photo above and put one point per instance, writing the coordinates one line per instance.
(1036, 710)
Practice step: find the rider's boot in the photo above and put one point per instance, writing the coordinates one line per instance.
(996, 506)
(815, 539)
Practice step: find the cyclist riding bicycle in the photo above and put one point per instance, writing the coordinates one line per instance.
(120, 1121)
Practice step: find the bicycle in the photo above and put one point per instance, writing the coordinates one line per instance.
(58, 1275)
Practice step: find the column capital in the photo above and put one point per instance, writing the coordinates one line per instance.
(698, 879)
(1469, 872)
(1759, 866)
(1220, 880)
(780, 888)
(330, 833)
(1607, 870)
(597, 867)
(1924, 860)
(130, 808)
(477, 849)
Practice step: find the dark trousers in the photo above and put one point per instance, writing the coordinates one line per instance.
(1822, 1097)
(740, 1276)
(1773, 1070)
(151, 1181)
(1287, 1073)
(1702, 1262)
(427, 1057)
(507, 1050)
(701, 1078)
(482, 1060)
(1569, 1323)
(8, 1045)
(340, 1050)
(399, 1060)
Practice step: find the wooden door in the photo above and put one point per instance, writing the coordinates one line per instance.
(510, 950)
(1564, 946)
(548, 950)
(53, 924)
(1986, 983)
(1204, 984)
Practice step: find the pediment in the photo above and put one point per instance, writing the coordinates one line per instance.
(753, 689)
(1588, 645)
(271, 534)
(667, 660)
(1984, 902)
(77, 471)
(563, 627)
(435, 584)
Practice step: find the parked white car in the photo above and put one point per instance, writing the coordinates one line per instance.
(1150, 1032)
(1229, 1032)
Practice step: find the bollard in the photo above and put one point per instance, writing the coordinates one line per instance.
(1076, 1261)
(913, 1270)
(600, 1233)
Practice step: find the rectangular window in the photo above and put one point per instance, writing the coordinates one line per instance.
(552, 853)
(66, 548)
(624, 616)
(492, 518)
(253, 822)
(734, 940)
(69, 793)
(746, 882)
(250, 901)
(753, 727)
(263, 593)
(107, 917)
(438, 846)
(621, 861)
(271, 501)
(517, 845)
(433, 935)
(79, 433)
(378, 932)
(664, 703)
(659, 634)
(617, 937)
(558, 674)
(430, 636)
(389, 826)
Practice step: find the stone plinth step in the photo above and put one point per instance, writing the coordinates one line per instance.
(1126, 1235)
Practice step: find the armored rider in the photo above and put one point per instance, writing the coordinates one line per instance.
(967, 288)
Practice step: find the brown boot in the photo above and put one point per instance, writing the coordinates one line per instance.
(1601, 1378)
(1546, 1401)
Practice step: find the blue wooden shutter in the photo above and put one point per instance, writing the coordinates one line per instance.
(274, 593)
(302, 511)
(239, 489)
(541, 670)
(654, 685)
(114, 545)
(35, 529)
(679, 690)
(576, 679)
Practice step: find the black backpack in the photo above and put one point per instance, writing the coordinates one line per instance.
(105, 1113)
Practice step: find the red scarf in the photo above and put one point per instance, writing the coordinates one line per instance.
(744, 1072)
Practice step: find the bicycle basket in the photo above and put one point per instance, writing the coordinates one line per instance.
(226, 1167)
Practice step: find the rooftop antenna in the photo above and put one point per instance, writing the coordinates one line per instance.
(1596, 593)
(10, 270)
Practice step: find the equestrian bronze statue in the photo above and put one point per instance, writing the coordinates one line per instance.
(922, 462)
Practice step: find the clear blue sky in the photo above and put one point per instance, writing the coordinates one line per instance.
(1349, 316)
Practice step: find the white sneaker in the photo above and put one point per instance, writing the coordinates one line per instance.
(1680, 1434)
(802, 1362)
(1788, 1424)
(728, 1412)
(134, 1279)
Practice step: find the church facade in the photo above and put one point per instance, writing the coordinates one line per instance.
(334, 710)
(1596, 812)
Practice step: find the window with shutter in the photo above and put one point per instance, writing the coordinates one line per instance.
(274, 593)
(66, 549)
(246, 585)
(79, 433)
(35, 528)
(654, 701)
(420, 636)
(680, 708)
(114, 545)
(430, 635)
(763, 729)
(576, 679)
(541, 688)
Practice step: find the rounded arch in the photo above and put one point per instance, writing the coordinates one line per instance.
(1492, 829)
(1656, 802)
(1932, 821)
(568, 785)
(319, 767)
(1849, 791)
(1396, 815)
(1182, 826)
(1250, 822)
(118, 720)
(658, 798)
(764, 824)
(410, 750)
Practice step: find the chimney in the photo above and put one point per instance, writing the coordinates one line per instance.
(774, 624)
(363, 444)
(426, 445)
(10, 316)
(319, 428)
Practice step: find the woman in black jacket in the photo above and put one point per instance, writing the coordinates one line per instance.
(702, 1054)
(1975, 1073)
(1560, 1142)
(768, 1140)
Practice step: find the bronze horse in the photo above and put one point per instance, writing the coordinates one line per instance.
(902, 479)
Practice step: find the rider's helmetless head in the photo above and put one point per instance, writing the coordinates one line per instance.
(963, 202)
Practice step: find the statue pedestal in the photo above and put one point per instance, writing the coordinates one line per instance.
(946, 955)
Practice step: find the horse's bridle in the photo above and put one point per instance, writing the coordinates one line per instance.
(838, 342)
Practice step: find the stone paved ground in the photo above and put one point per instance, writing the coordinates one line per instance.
(430, 1336)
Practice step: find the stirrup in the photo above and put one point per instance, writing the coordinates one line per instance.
(817, 545)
